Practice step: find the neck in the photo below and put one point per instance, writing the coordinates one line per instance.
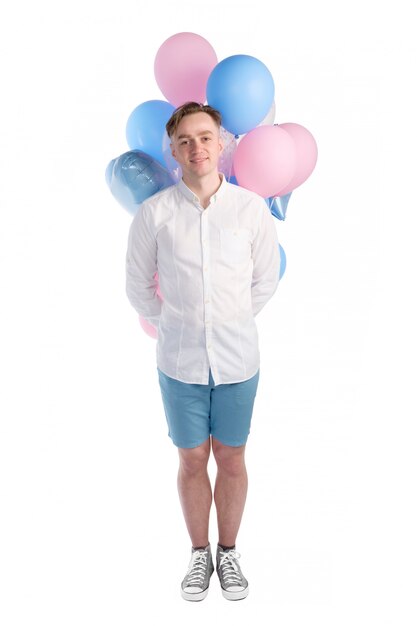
(204, 187)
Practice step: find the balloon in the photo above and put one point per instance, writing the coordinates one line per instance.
(148, 328)
(182, 66)
(174, 168)
(283, 263)
(264, 160)
(306, 154)
(242, 88)
(158, 290)
(229, 142)
(134, 176)
(109, 172)
(146, 125)
(278, 206)
(270, 116)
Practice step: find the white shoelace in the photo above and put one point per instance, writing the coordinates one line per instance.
(197, 568)
(229, 567)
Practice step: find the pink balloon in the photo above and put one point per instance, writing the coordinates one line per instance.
(158, 291)
(148, 328)
(182, 66)
(306, 154)
(264, 160)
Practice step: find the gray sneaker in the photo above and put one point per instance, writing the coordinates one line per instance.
(233, 583)
(195, 585)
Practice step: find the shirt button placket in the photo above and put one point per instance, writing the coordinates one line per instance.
(206, 284)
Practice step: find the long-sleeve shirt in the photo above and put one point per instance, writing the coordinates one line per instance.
(217, 268)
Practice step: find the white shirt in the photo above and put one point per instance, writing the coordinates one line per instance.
(217, 267)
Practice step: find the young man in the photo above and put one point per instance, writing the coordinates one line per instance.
(215, 248)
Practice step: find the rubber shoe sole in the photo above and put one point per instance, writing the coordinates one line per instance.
(235, 595)
(194, 597)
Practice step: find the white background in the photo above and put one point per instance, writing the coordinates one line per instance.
(91, 526)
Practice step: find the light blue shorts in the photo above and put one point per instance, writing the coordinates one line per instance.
(194, 412)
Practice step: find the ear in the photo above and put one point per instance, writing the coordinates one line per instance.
(171, 145)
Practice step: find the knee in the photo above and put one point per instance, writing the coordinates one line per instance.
(194, 460)
(230, 460)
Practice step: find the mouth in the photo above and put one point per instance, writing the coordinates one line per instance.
(199, 160)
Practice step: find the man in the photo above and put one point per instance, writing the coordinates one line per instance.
(215, 248)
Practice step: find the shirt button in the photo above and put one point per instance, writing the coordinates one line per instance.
(207, 301)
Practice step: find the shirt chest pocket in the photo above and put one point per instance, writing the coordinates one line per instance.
(235, 244)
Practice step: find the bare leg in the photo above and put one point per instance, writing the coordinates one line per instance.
(195, 491)
(230, 490)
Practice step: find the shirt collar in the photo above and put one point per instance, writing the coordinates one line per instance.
(186, 191)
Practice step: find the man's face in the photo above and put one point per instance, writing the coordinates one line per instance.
(196, 145)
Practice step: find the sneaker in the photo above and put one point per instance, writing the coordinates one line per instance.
(195, 585)
(234, 585)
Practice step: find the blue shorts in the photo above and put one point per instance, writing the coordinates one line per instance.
(194, 412)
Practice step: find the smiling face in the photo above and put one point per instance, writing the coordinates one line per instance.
(196, 146)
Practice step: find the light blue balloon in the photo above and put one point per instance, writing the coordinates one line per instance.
(146, 126)
(278, 205)
(109, 172)
(135, 176)
(283, 264)
(242, 88)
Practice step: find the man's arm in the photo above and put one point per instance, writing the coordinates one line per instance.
(266, 261)
(141, 266)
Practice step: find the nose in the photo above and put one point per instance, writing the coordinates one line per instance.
(196, 146)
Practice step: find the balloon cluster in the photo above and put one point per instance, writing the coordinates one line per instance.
(263, 156)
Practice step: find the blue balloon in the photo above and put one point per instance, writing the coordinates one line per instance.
(146, 126)
(283, 264)
(109, 172)
(242, 88)
(278, 205)
(135, 176)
